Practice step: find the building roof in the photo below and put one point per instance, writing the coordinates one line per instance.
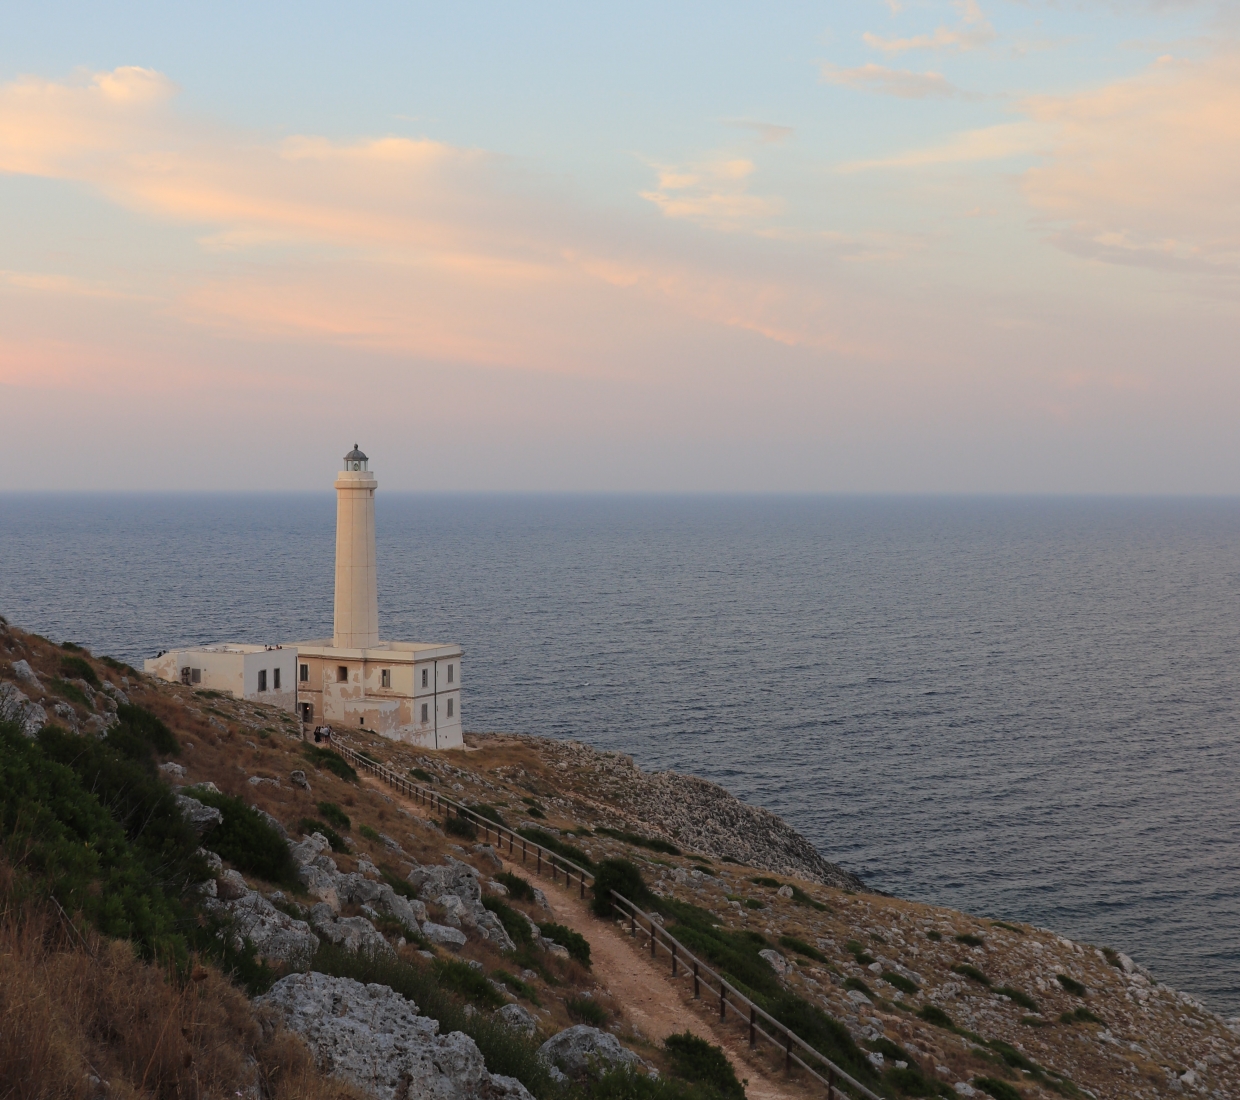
(355, 455)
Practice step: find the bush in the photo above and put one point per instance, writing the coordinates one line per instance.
(905, 985)
(623, 877)
(970, 940)
(1009, 927)
(422, 774)
(702, 1063)
(1018, 996)
(309, 825)
(460, 977)
(932, 1014)
(802, 898)
(933, 935)
(1079, 1016)
(515, 924)
(518, 888)
(69, 691)
(75, 668)
(329, 761)
(368, 832)
(586, 1010)
(859, 986)
(248, 841)
(1000, 1090)
(577, 945)
(972, 972)
(334, 814)
(652, 843)
(460, 826)
(489, 812)
(859, 953)
(764, 880)
(1072, 985)
(520, 988)
(802, 948)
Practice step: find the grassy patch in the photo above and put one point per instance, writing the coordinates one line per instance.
(1008, 927)
(1112, 956)
(932, 1014)
(518, 888)
(802, 898)
(69, 691)
(859, 986)
(933, 935)
(555, 844)
(329, 761)
(802, 948)
(859, 953)
(309, 825)
(575, 943)
(335, 815)
(1018, 996)
(489, 812)
(754, 903)
(119, 666)
(971, 972)
(586, 1010)
(515, 924)
(905, 985)
(1000, 1090)
(1034, 1021)
(702, 1063)
(76, 668)
(460, 826)
(969, 940)
(520, 988)
(770, 883)
(422, 774)
(653, 843)
(1079, 1016)
(729, 859)
(472, 984)
(623, 877)
(1072, 985)
(248, 841)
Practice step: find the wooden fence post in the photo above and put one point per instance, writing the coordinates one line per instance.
(753, 1025)
(697, 984)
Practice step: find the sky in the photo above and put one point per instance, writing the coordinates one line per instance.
(879, 246)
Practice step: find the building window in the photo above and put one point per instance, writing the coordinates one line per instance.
(275, 679)
(424, 709)
(342, 673)
(305, 674)
(185, 677)
(262, 679)
(195, 675)
(449, 708)
(425, 674)
(385, 678)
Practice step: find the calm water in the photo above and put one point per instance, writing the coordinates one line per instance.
(1024, 708)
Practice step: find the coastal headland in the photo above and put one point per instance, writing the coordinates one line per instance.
(479, 973)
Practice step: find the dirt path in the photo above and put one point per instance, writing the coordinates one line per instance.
(653, 1003)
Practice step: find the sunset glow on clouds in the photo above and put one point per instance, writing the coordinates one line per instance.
(896, 250)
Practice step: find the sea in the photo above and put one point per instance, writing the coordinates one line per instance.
(1025, 708)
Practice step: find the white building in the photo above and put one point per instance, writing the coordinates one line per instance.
(408, 691)
(265, 674)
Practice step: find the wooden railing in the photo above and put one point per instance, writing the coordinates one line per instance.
(761, 1024)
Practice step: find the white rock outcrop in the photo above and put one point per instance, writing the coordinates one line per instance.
(581, 1050)
(373, 1037)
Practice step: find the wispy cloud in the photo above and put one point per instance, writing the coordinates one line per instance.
(1009, 139)
(973, 32)
(766, 132)
(714, 193)
(893, 82)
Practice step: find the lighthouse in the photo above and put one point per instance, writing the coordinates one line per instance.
(356, 624)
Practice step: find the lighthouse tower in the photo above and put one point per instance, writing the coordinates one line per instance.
(357, 596)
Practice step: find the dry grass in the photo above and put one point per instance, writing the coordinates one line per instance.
(79, 1010)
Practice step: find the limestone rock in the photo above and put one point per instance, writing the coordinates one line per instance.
(23, 671)
(489, 855)
(351, 933)
(172, 770)
(373, 1037)
(272, 821)
(320, 884)
(275, 934)
(518, 1018)
(232, 886)
(298, 779)
(359, 890)
(784, 891)
(202, 817)
(778, 963)
(580, 1050)
(15, 707)
(451, 938)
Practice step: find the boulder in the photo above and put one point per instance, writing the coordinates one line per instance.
(489, 856)
(518, 1018)
(581, 1050)
(15, 707)
(298, 779)
(272, 821)
(23, 671)
(351, 933)
(309, 849)
(359, 890)
(232, 886)
(490, 927)
(451, 938)
(784, 891)
(778, 963)
(454, 911)
(374, 1038)
(202, 817)
(274, 934)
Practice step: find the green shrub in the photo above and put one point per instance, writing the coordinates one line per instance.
(905, 985)
(577, 945)
(422, 774)
(460, 826)
(335, 815)
(859, 953)
(518, 888)
(1018, 996)
(859, 986)
(489, 812)
(1079, 1016)
(248, 841)
(309, 825)
(520, 988)
(368, 832)
(460, 977)
(802, 898)
(73, 647)
(555, 844)
(763, 880)
(329, 761)
(970, 940)
(1112, 956)
(515, 924)
(1072, 985)
(69, 691)
(75, 668)
(1034, 1021)
(534, 811)
(729, 859)
(586, 1010)
(119, 666)
(702, 1063)
(754, 903)
(971, 972)
(933, 935)
(932, 1014)
(802, 948)
(1000, 1090)
(636, 839)
(400, 886)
